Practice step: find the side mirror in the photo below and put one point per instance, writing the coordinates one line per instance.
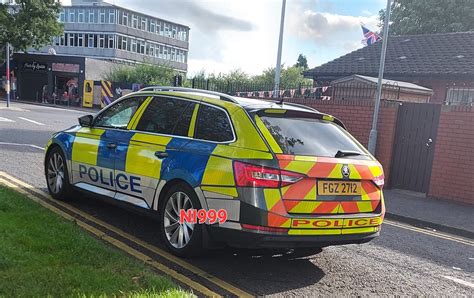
(86, 121)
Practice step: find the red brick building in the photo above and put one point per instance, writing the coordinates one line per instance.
(443, 62)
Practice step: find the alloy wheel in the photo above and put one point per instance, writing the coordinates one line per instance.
(178, 234)
(55, 172)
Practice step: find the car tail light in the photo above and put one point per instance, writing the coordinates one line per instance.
(264, 229)
(260, 176)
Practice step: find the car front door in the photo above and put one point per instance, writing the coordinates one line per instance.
(96, 148)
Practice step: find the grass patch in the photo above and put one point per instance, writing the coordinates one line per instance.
(43, 254)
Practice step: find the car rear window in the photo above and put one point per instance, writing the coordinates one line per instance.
(304, 136)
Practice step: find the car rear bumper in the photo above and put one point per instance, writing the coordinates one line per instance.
(257, 239)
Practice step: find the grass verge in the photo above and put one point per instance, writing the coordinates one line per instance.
(43, 254)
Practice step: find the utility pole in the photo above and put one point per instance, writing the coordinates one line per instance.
(276, 89)
(7, 87)
(373, 131)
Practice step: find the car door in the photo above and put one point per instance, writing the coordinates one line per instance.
(96, 148)
(159, 133)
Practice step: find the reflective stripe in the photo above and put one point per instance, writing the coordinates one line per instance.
(138, 114)
(86, 145)
(238, 152)
(219, 171)
(228, 191)
(268, 136)
(193, 121)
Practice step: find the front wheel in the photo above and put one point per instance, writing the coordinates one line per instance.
(57, 178)
(183, 239)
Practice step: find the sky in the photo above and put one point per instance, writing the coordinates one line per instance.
(243, 34)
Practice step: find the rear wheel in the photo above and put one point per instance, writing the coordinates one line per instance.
(57, 178)
(183, 239)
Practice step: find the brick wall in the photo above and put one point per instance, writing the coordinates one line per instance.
(357, 116)
(452, 174)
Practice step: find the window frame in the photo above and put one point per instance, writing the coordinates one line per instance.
(199, 103)
(105, 109)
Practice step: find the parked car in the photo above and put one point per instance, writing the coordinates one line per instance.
(261, 174)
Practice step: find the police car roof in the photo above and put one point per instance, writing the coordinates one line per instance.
(250, 104)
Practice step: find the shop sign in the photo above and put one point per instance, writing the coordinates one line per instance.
(65, 67)
(35, 66)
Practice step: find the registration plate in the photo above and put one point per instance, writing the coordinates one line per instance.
(338, 188)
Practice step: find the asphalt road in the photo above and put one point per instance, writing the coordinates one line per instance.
(399, 262)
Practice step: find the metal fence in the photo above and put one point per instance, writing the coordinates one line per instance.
(322, 91)
(460, 95)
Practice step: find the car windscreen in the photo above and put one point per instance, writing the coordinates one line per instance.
(306, 136)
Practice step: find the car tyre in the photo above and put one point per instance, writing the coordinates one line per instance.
(56, 173)
(182, 239)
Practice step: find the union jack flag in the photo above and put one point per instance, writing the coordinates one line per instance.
(370, 37)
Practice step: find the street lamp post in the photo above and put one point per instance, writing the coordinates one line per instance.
(276, 89)
(7, 87)
(373, 131)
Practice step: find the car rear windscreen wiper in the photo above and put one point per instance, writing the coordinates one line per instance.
(340, 153)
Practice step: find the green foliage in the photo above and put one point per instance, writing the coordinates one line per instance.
(430, 16)
(141, 73)
(290, 77)
(302, 62)
(32, 24)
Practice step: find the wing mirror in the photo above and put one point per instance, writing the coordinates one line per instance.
(86, 121)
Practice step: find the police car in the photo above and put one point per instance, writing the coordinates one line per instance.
(284, 175)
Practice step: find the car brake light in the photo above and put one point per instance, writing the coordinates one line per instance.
(261, 176)
(264, 229)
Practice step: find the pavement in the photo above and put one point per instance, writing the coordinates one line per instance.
(444, 215)
(409, 258)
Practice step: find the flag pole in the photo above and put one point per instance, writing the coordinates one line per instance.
(373, 131)
(276, 89)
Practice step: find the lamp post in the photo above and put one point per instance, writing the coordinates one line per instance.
(373, 131)
(276, 89)
(7, 87)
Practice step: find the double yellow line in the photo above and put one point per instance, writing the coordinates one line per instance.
(43, 199)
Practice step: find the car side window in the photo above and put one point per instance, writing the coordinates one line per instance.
(118, 115)
(213, 125)
(169, 116)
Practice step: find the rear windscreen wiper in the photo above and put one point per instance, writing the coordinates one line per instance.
(340, 153)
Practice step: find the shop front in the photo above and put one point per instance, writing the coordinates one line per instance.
(50, 78)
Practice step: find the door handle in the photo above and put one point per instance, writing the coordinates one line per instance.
(161, 154)
(428, 142)
(111, 145)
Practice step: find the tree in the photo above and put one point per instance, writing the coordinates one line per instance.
(302, 62)
(29, 23)
(142, 73)
(429, 16)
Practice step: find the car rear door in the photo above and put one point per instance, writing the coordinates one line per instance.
(159, 133)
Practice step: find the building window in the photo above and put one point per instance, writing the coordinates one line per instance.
(134, 46)
(125, 19)
(460, 96)
(152, 27)
(101, 41)
(134, 21)
(111, 41)
(102, 16)
(62, 17)
(142, 47)
(174, 31)
(112, 16)
(167, 30)
(80, 16)
(72, 16)
(92, 16)
(62, 40)
(80, 40)
(70, 39)
(143, 24)
(90, 41)
(159, 29)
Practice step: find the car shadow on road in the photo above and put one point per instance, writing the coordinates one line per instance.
(261, 275)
